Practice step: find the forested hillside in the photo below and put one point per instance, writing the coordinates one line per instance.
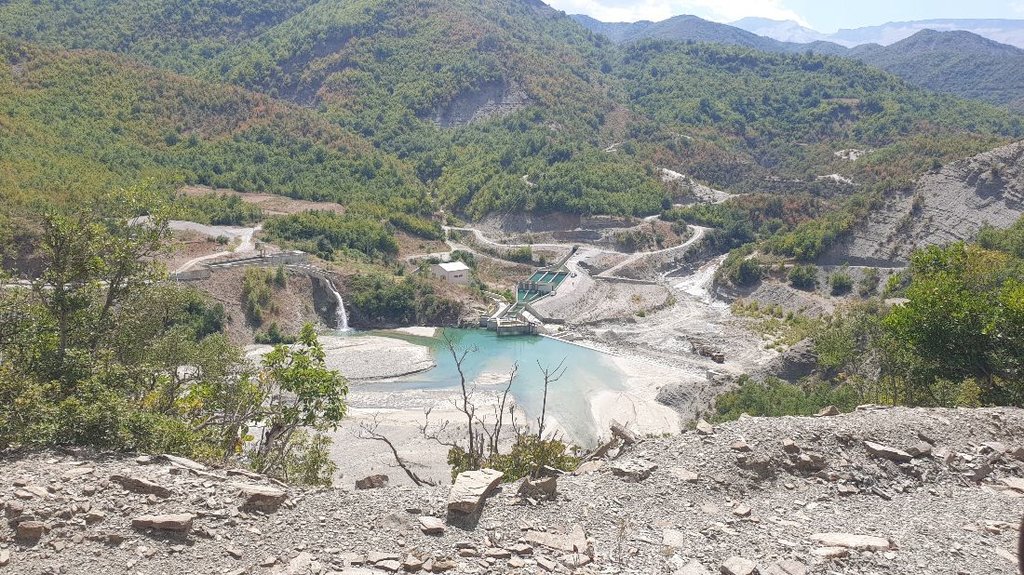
(79, 122)
(492, 106)
(958, 63)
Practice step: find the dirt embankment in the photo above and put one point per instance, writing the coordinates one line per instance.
(302, 300)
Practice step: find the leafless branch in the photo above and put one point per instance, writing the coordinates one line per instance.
(550, 376)
(370, 431)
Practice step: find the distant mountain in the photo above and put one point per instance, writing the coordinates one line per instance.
(958, 63)
(1004, 31)
(691, 28)
(782, 30)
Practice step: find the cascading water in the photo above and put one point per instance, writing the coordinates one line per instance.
(341, 316)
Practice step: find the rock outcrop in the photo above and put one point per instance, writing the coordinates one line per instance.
(946, 206)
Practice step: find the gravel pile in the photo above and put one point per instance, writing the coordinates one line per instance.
(876, 491)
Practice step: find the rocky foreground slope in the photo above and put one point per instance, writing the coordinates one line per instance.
(876, 491)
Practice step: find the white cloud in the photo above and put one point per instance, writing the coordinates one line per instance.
(717, 10)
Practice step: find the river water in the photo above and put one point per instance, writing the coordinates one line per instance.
(588, 372)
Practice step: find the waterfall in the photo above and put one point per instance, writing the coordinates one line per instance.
(341, 316)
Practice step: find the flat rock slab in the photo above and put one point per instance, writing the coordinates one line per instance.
(140, 485)
(431, 525)
(886, 452)
(260, 497)
(830, 552)
(470, 489)
(184, 462)
(177, 522)
(851, 541)
(635, 470)
(573, 542)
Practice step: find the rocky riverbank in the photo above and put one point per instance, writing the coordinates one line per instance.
(876, 491)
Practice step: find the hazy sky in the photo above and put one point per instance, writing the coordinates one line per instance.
(822, 15)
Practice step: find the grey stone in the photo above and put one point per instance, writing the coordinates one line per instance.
(742, 510)
(546, 488)
(471, 488)
(634, 470)
(176, 522)
(887, 452)
(140, 485)
(1015, 483)
(260, 497)
(379, 481)
(673, 538)
(30, 531)
(411, 563)
(431, 525)
(741, 446)
(704, 428)
(922, 449)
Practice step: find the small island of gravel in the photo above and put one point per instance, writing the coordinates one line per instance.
(368, 357)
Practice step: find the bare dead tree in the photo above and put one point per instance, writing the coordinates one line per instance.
(493, 433)
(370, 431)
(550, 376)
(467, 407)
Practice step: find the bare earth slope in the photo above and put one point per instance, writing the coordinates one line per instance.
(947, 206)
(676, 504)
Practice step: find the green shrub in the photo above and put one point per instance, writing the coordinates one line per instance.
(325, 233)
(841, 283)
(804, 277)
(774, 398)
(257, 294)
(869, 282)
(216, 209)
(526, 458)
(273, 336)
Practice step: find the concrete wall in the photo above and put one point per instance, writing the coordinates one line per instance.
(192, 275)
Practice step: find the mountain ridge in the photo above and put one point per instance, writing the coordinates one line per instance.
(954, 62)
(1002, 30)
